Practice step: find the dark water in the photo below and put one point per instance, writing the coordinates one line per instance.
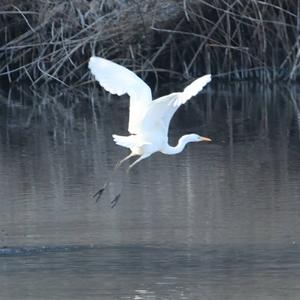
(219, 221)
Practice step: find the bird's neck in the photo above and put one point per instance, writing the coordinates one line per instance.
(179, 147)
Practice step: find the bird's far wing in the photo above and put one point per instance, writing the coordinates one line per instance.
(194, 88)
(119, 80)
(162, 109)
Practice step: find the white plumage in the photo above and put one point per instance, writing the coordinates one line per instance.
(118, 80)
(148, 120)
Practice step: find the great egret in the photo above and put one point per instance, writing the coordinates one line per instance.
(148, 120)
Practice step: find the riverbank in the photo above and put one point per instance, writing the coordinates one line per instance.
(45, 41)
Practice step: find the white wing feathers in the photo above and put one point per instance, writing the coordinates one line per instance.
(193, 89)
(119, 80)
(162, 109)
(144, 114)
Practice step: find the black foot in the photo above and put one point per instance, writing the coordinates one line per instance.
(99, 194)
(115, 201)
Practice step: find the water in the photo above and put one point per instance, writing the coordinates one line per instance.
(219, 221)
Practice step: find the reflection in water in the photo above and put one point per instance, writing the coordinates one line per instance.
(219, 221)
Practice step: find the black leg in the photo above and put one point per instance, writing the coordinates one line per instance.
(115, 201)
(99, 193)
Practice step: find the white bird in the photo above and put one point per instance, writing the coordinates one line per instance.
(148, 120)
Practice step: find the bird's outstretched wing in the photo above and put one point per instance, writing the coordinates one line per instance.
(162, 109)
(119, 80)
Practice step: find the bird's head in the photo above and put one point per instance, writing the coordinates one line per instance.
(197, 138)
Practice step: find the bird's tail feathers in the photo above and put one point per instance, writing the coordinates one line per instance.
(127, 141)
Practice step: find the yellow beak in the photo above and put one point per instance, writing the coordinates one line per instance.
(205, 139)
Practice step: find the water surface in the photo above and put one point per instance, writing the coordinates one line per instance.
(219, 221)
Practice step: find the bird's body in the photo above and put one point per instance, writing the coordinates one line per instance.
(148, 120)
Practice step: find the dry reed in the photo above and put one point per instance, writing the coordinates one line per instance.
(240, 39)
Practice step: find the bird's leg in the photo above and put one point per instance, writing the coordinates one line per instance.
(99, 193)
(117, 198)
(137, 161)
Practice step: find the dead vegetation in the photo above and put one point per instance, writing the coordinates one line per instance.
(52, 40)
